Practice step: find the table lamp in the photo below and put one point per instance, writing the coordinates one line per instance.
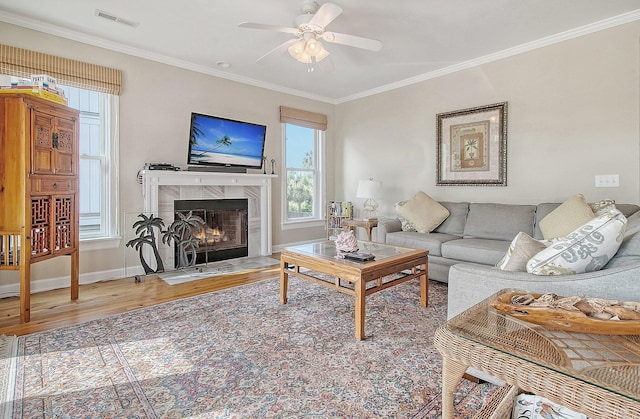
(369, 189)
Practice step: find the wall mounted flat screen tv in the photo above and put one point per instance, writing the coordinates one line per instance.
(222, 142)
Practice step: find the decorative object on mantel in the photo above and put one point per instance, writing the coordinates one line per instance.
(181, 233)
(369, 189)
(576, 314)
(346, 242)
(273, 166)
(264, 165)
(145, 229)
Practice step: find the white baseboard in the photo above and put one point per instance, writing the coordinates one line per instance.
(13, 290)
(41, 285)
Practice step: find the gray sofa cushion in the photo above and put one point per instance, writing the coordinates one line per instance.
(628, 253)
(431, 242)
(454, 224)
(627, 209)
(485, 251)
(499, 221)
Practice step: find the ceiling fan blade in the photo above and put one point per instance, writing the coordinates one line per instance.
(284, 29)
(352, 41)
(325, 15)
(280, 48)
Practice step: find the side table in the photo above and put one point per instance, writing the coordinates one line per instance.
(368, 225)
(592, 374)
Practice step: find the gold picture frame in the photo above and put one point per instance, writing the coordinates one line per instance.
(471, 146)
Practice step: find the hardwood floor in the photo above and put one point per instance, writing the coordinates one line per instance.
(52, 309)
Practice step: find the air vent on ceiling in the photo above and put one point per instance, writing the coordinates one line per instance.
(114, 18)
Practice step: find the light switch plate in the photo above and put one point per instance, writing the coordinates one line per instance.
(607, 181)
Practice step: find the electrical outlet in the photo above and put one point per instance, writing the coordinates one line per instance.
(607, 181)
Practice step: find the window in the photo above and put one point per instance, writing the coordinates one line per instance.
(98, 161)
(303, 154)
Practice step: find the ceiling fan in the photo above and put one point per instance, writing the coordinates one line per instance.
(309, 30)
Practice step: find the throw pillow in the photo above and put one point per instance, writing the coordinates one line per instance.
(570, 215)
(406, 225)
(521, 249)
(424, 212)
(587, 249)
(603, 206)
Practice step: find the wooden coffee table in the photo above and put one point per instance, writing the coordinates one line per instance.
(355, 278)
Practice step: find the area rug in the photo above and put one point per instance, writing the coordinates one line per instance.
(239, 353)
(8, 352)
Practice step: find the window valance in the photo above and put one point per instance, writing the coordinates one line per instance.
(23, 63)
(303, 118)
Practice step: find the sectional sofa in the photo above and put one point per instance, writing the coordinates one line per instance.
(465, 248)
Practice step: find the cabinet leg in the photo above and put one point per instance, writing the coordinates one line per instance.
(75, 274)
(25, 293)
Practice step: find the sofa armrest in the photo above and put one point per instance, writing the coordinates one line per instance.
(387, 225)
(470, 284)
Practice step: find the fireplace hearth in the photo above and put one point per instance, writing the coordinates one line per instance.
(213, 230)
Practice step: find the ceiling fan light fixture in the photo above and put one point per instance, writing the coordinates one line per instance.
(307, 51)
(313, 47)
(322, 54)
(297, 51)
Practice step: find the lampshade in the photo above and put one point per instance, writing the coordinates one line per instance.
(369, 189)
(308, 51)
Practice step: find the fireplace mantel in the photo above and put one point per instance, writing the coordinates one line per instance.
(215, 185)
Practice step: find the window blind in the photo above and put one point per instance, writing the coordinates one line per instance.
(303, 118)
(24, 63)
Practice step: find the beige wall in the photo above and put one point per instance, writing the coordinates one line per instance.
(573, 114)
(155, 108)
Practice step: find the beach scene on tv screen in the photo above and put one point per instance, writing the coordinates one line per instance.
(221, 141)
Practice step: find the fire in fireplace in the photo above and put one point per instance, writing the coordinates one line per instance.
(218, 229)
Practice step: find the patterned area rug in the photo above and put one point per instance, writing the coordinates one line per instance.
(240, 353)
(8, 350)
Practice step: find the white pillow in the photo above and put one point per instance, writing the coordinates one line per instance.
(570, 215)
(586, 249)
(522, 248)
(424, 212)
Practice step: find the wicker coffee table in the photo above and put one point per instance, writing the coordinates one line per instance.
(598, 375)
(355, 278)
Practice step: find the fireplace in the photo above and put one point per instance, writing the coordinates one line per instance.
(210, 230)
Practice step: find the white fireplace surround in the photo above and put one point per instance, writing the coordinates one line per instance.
(161, 187)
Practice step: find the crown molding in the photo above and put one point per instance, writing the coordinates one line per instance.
(530, 46)
(50, 29)
(138, 52)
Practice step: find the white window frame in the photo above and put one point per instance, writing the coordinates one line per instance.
(319, 156)
(108, 235)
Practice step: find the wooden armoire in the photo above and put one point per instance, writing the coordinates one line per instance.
(39, 207)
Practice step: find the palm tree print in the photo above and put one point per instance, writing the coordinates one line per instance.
(145, 229)
(195, 131)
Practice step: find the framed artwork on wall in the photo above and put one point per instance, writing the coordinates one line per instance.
(471, 146)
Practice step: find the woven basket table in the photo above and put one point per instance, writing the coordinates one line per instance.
(598, 375)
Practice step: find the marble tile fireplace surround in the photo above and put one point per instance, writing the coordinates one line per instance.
(161, 187)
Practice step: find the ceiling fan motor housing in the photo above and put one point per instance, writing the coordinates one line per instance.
(309, 7)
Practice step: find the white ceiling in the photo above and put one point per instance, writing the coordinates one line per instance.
(421, 38)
